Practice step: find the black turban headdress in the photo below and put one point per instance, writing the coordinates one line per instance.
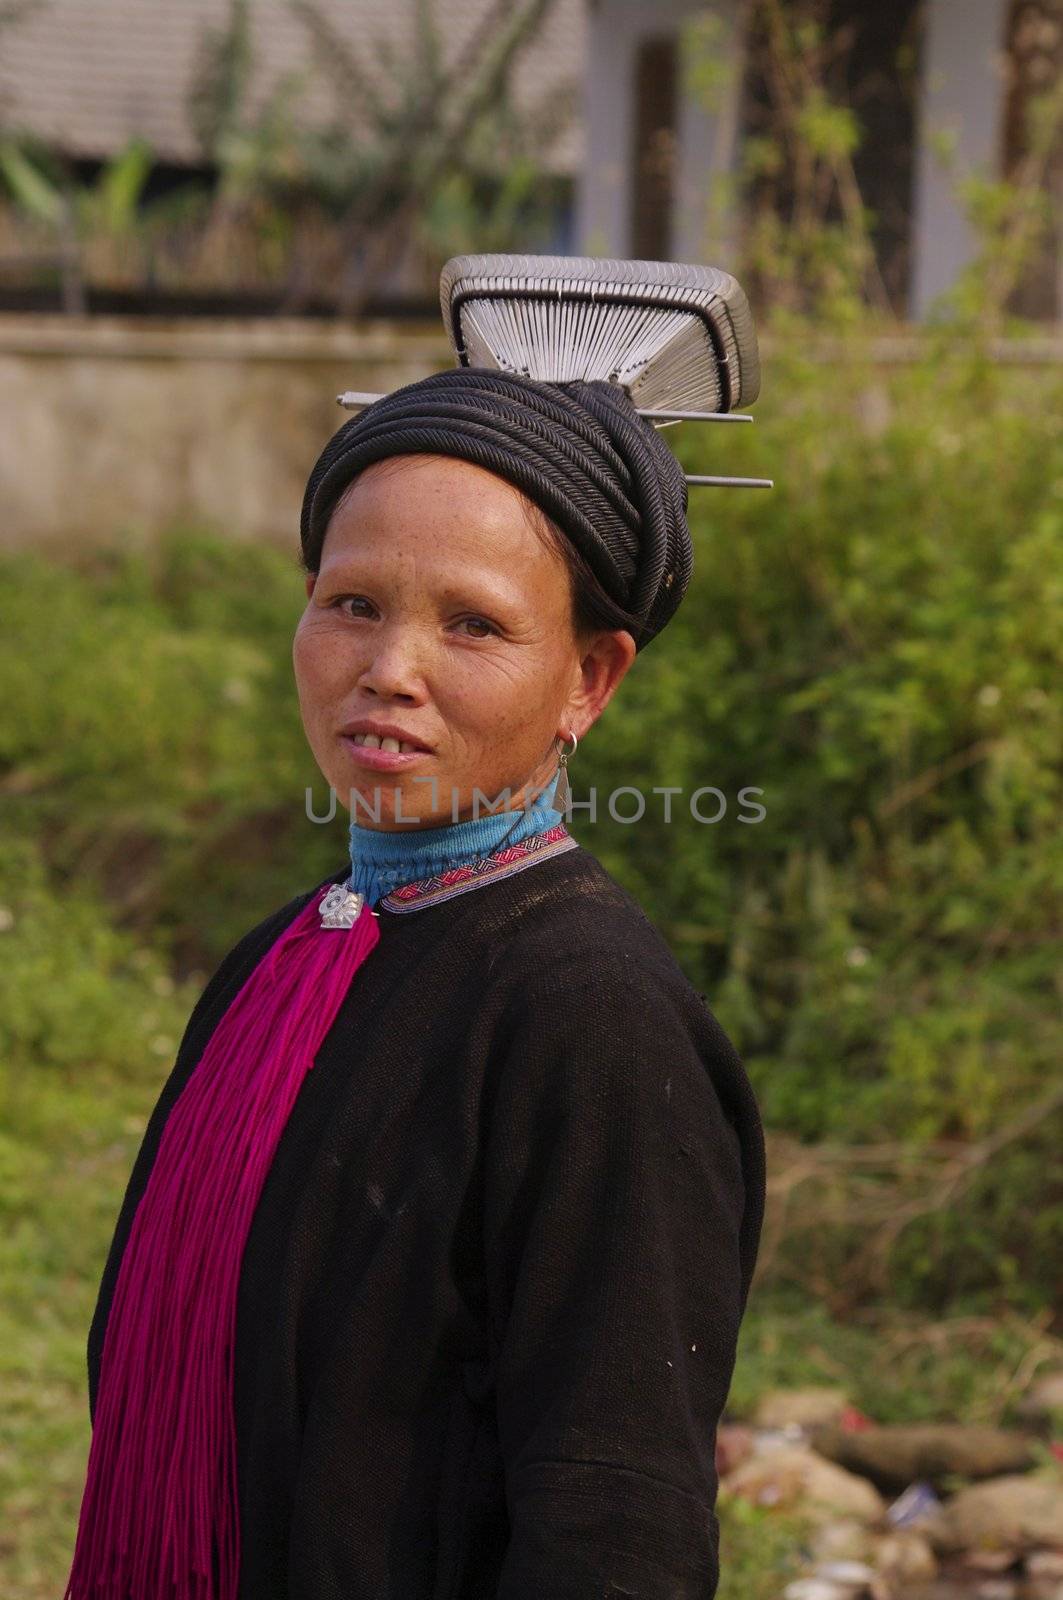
(580, 451)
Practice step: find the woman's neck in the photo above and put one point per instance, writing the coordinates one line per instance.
(383, 859)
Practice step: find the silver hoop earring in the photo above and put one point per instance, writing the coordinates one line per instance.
(563, 794)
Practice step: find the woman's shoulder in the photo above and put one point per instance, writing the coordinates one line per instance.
(574, 903)
(573, 924)
(596, 1004)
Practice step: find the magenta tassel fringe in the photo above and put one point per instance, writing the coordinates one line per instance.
(159, 1515)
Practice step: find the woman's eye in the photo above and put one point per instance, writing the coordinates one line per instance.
(478, 622)
(356, 606)
(355, 599)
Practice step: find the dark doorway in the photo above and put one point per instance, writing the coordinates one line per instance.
(654, 155)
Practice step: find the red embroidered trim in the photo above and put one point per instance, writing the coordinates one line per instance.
(456, 880)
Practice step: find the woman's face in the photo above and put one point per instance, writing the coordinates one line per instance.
(440, 612)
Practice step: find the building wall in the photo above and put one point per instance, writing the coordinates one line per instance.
(961, 102)
(112, 427)
(705, 139)
(961, 92)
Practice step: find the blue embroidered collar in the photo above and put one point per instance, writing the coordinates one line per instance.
(382, 860)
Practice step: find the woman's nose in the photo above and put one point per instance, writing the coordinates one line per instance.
(395, 667)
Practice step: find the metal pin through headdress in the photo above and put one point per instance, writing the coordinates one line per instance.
(355, 400)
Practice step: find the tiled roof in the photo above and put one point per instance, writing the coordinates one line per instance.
(90, 75)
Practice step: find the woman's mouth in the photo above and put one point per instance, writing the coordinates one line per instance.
(373, 742)
(382, 755)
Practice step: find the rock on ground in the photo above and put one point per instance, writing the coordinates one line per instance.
(1008, 1513)
(1044, 1399)
(905, 1556)
(808, 1408)
(895, 1454)
(794, 1475)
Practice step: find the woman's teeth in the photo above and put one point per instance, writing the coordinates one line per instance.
(373, 743)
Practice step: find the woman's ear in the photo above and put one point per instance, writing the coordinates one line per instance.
(311, 579)
(603, 665)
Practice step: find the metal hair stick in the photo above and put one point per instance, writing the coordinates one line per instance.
(696, 416)
(736, 483)
(351, 400)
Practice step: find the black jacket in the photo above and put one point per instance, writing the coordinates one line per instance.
(490, 1298)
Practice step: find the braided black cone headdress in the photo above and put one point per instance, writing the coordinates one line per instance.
(563, 345)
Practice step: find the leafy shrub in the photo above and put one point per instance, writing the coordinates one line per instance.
(154, 747)
(77, 995)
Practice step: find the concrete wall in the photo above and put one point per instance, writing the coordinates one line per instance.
(115, 428)
(112, 426)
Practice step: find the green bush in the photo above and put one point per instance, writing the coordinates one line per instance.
(154, 747)
(78, 996)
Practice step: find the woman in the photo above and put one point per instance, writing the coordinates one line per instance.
(488, 1270)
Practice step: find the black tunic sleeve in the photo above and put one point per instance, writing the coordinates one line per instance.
(623, 1203)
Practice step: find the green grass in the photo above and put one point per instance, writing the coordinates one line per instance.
(89, 1024)
(760, 1550)
(65, 1159)
(894, 1366)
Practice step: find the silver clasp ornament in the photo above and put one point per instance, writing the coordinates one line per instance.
(340, 907)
